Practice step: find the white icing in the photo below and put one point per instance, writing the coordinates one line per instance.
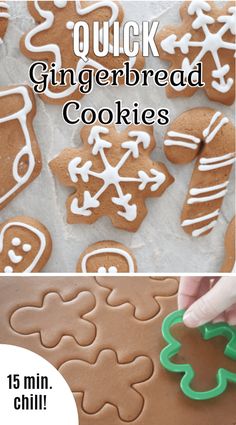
(215, 163)
(26, 247)
(16, 242)
(217, 195)
(4, 5)
(185, 144)
(13, 257)
(204, 229)
(21, 116)
(8, 269)
(70, 25)
(111, 269)
(55, 49)
(200, 218)
(60, 3)
(102, 251)
(36, 232)
(209, 136)
(110, 175)
(210, 44)
(216, 158)
(198, 190)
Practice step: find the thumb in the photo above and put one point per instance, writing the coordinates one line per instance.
(212, 304)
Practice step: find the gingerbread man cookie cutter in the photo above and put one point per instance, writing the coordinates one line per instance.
(208, 332)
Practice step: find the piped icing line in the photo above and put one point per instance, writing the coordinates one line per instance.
(13, 257)
(198, 190)
(210, 44)
(55, 49)
(185, 144)
(118, 251)
(204, 229)
(208, 164)
(210, 134)
(199, 219)
(196, 200)
(21, 116)
(110, 175)
(4, 5)
(35, 231)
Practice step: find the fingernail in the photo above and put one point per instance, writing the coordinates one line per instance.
(190, 319)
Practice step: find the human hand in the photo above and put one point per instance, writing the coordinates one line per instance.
(207, 299)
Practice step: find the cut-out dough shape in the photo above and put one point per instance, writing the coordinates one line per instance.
(20, 158)
(153, 291)
(207, 35)
(57, 318)
(51, 40)
(111, 175)
(94, 380)
(25, 245)
(106, 257)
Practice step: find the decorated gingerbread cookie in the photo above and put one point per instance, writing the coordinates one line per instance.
(51, 40)
(207, 35)
(4, 17)
(20, 159)
(25, 245)
(106, 257)
(230, 247)
(111, 175)
(207, 135)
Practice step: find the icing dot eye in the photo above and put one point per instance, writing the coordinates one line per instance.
(16, 241)
(112, 269)
(102, 270)
(26, 247)
(8, 269)
(70, 25)
(60, 3)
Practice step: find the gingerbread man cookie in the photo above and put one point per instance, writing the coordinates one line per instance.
(111, 175)
(106, 257)
(25, 245)
(207, 35)
(4, 17)
(208, 135)
(230, 247)
(20, 158)
(51, 40)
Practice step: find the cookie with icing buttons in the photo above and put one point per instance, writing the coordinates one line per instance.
(111, 175)
(20, 158)
(106, 257)
(207, 35)
(208, 136)
(4, 17)
(25, 245)
(229, 264)
(51, 40)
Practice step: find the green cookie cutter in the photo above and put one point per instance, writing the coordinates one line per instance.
(208, 331)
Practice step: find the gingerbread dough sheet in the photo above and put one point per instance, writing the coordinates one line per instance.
(161, 232)
(104, 335)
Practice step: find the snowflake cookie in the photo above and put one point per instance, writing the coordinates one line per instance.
(206, 35)
(112, 175)
(20, 159)
(107, 257)
(4, 17)
(25, 245)
(51, 40)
